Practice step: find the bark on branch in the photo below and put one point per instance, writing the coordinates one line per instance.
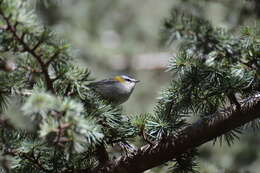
(195, 135)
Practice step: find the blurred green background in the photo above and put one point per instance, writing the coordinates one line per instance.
(122, 37)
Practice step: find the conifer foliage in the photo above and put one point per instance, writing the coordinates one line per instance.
(52, 122)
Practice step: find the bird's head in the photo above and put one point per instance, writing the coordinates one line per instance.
(126, 81)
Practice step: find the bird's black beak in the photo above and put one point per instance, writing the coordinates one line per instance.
(136, 81)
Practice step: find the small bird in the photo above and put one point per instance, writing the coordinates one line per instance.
(117, 90)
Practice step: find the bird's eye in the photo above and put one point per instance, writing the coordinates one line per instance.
(128, 80)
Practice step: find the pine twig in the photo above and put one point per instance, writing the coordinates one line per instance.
(26, 47)
(52, 58)
(35, 161)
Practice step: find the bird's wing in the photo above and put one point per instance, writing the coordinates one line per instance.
(105, 81)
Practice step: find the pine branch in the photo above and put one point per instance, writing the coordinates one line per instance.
(35, 161)
(30, 157)
(195, 135)
(44, 66)
(102, 154)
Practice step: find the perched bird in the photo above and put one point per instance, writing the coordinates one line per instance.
(117, 90)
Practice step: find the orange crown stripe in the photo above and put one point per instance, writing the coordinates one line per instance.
(119, 79)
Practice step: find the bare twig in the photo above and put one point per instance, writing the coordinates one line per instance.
(52, 58)
(67, 91)
(34, 161)
(37, 45)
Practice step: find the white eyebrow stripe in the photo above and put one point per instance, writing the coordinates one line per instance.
(127, 77)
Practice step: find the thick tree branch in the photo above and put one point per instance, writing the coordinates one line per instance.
(197, 134)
